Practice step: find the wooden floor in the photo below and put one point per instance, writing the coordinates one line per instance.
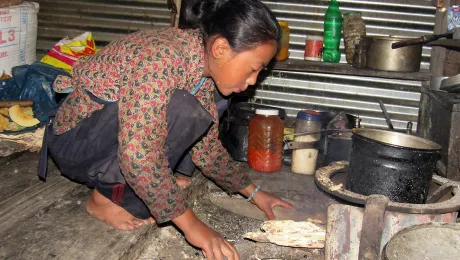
(48, 220)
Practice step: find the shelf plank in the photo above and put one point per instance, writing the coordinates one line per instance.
(345, 69)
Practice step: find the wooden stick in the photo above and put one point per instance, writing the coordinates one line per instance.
(21, 103)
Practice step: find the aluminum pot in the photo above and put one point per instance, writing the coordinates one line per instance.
(399, 166)
(381, 56)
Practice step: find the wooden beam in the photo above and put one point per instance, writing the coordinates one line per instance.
(345, 69)
(438, 54)
(176, 17)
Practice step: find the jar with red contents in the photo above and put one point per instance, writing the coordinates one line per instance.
(265, 141)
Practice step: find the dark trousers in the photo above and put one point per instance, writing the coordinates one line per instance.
(88, 152)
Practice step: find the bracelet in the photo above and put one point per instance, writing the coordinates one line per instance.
(253, 193)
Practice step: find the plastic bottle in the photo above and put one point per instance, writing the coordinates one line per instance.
(333, 21)
(283, 51)
(265, 141)
(304, 160)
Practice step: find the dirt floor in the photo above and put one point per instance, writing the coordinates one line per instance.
(44, 220)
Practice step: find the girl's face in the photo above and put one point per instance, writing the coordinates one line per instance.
(234, 72)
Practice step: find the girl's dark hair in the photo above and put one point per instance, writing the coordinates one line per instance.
(244, 23)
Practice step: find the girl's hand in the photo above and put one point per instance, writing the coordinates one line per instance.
(214, 246)
(265, 201)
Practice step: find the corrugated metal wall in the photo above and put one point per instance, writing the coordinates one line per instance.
(106, 19)
(109, 19)
(355, 95)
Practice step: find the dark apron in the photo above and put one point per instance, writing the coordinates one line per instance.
(88, 152)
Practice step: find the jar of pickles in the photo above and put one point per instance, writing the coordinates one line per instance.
(283, 49)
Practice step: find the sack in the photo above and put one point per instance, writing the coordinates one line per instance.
(18, 35)
(66, 52)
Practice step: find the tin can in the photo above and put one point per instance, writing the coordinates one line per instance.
(314, 48)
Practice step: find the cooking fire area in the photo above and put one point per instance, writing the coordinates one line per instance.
(358, 193)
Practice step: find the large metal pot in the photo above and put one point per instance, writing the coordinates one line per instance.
(399, 166)
(381, 56)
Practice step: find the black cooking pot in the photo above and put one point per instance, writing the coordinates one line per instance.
(234, 128)
(397, 165)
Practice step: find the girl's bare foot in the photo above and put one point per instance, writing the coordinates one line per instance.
(183, 181)
(104, 209)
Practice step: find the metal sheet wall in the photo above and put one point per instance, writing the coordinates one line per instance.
(356, 95)
(109, 19)
(106, 19)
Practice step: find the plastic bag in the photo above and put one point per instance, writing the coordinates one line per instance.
(453, 17)
(33, 82)
(338, 122)
(66, 52)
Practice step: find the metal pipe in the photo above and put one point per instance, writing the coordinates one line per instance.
(387, 116)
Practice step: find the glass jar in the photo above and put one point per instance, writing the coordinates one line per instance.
(360, 57)
(304, 159)
(265, 141)
(354, 29)
(283, 49)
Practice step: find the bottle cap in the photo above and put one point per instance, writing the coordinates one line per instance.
(283, 23)
(267, 112)
(309, 115)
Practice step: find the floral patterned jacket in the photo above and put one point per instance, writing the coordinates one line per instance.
(141, 71)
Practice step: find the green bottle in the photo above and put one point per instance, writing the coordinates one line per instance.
(333, 21)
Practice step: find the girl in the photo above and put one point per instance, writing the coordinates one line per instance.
(145, 101)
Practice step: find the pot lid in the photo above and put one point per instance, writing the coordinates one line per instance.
(397, 139)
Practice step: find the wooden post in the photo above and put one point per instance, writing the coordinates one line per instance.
(177, 16)
(438, 54)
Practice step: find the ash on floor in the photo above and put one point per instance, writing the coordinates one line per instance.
(170, 244)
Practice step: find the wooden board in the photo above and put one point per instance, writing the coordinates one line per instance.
(345, 69)
(300, 190)
(65, 231)
(48, 220)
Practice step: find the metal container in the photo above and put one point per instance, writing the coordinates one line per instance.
(381, 56)
(353, 230)
(338, 148)
(426, 241)
(435, 82)
(399, 166)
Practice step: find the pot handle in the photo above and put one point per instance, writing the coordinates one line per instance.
(421, 40)
(401, 44)
(372, 229)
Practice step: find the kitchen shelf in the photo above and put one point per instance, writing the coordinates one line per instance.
(345, 69)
